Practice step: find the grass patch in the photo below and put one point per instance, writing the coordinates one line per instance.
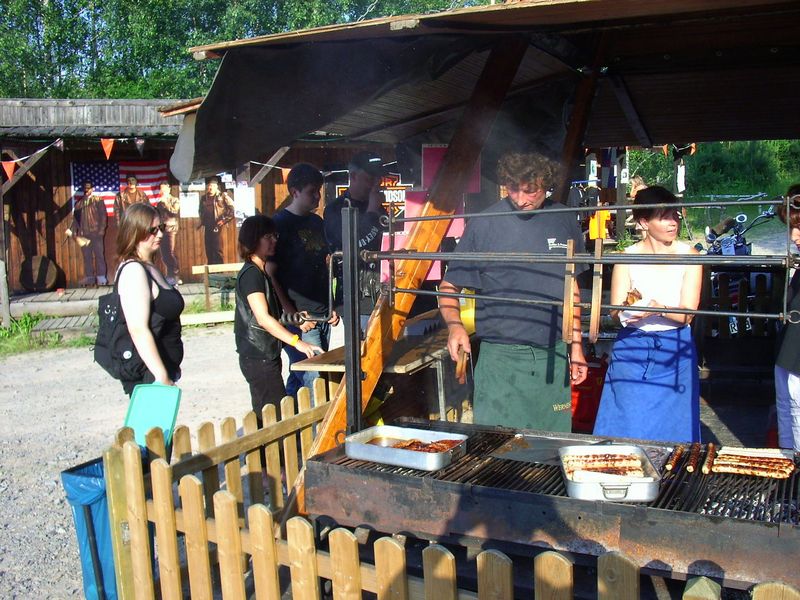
(17, 338)
(199, 306)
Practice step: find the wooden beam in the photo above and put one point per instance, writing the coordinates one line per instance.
(387, 321)
(628, 108)
(584, 95)
(270, 165)
(27, 166)
(5, 300)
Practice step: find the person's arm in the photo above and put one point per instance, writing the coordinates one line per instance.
(690, 296)
(332, 222)
(75, 226)
(288, 306)
(450, 309)
(258, 304)
(135, 296)
(578, 367)
(620, 286)
(102, 215)
(118, 208)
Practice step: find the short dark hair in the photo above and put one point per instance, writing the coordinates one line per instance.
(131, 176)
(528, 167)
(793, 218)
(250, 234)
(655, 194)
(303, 174)
(88, 182)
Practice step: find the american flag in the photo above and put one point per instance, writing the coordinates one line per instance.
(109, 177)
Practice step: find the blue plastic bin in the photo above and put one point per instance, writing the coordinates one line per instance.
(85, 486)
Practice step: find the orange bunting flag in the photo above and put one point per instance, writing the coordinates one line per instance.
(284, 173)
(9, 166)
(665, 149)
(108, 144)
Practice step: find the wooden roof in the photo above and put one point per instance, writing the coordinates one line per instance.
(671, 71)
(53, 118)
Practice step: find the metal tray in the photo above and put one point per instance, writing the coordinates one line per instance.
(357, 446)
(616, 490)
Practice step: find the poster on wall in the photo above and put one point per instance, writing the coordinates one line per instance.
(190, 205)
(244, 203)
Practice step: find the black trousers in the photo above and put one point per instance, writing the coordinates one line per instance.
(265, 381)
(213, 241)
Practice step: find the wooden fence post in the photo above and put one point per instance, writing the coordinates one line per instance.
(701, 588)
(114, 469)
(265, 553)
(253, 461)
(775, 591)
(229, 546)
(617, 577)
(552, 574)
(306, 434)
(302, 559)
(439, 567)
(154, 440)
(495, 576)
(346, 578)
(206, 441)
(194, 518)
(390, 569)
(272, 453)
(169, 568)
(181, 443)
(289, 444)
(137, 517)
(233, 472)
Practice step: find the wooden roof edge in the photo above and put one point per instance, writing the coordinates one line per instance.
(538, 13)
(182, 108)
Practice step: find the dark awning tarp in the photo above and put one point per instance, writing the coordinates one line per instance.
(264, 98)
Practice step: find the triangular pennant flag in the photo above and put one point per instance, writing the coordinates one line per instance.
(59, 144)
(285, 173)
(9, 166)
(140, 145)
(108, 144)
(665, 149)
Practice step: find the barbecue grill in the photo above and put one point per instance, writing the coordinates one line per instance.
(735, 528)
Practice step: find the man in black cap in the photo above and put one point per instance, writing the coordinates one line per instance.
(366, 170)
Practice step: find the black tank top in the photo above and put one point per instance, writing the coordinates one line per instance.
(165, 323)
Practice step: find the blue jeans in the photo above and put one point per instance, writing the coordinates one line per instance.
(319, 336)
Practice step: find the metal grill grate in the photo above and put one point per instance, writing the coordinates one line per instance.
(717, 494)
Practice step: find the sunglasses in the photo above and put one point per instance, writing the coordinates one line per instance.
(273, 236)
(154, 230)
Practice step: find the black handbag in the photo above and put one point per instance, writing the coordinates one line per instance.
(114, 349)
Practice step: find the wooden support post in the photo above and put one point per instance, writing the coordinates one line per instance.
(387, 320)
(568, 313)
(584, 95)
(597, 293)
(5, 299)
(271, 162)
(114, 469)
(206, 285)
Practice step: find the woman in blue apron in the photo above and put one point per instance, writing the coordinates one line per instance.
(651, 389)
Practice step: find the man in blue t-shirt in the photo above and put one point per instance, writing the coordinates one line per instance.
(524, 369)
(299, 268)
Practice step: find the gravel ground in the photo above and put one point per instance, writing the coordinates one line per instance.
(57, 410)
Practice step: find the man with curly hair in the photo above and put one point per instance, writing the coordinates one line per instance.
(524, 370)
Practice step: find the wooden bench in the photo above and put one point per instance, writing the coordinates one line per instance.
(219, 275)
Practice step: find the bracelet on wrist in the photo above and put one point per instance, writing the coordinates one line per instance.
(295, 339)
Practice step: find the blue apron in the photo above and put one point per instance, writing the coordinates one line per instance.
(652, 388)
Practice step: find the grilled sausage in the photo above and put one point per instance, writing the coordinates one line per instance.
(694, 456)
(709, 461)
(675, 457)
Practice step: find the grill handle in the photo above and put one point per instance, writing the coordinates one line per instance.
(615, 492)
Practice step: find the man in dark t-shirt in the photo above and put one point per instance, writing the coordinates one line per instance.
(366, 170)
(299, 268)
(524, 370)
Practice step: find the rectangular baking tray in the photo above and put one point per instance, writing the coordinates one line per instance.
(614, 491)
(357, 446)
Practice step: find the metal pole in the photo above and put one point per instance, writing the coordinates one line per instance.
(351, 318)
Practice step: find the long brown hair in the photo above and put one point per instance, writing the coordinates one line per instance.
(134, 227)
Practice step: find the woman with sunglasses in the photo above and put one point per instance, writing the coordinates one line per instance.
(259, 334)
(152, 307)
(787, 365)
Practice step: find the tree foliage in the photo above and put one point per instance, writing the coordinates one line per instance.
(739, 168)
(138, 48)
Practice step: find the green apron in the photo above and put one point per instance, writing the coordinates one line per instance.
(524, 387)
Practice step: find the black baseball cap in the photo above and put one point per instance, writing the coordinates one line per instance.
(368, 162)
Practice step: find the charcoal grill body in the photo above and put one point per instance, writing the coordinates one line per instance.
(664, 541)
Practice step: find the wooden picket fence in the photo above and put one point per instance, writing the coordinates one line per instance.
(220, 539)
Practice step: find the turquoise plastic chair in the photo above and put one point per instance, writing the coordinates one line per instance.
(153, 405)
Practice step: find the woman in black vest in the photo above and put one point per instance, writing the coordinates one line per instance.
(258, 333)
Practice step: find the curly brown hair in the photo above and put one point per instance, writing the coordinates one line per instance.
(518, 167)
(794, 207)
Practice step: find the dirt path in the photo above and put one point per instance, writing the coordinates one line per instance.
(57, 410)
